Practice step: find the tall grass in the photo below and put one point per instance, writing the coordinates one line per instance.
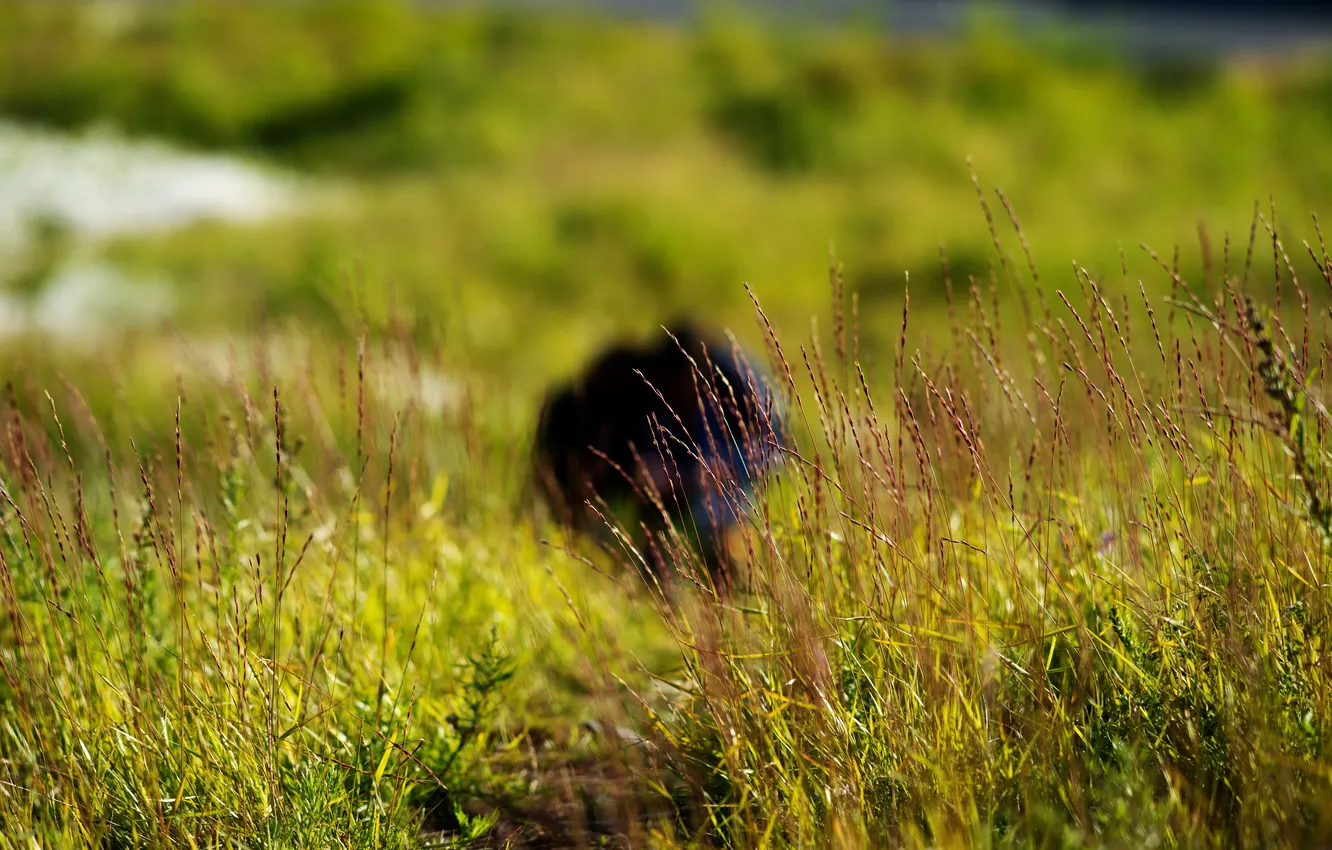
(1064, 585)
(1045, 593)
(245, 638)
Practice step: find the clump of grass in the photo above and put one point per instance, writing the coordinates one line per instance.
(1286, 392)
(221, 635)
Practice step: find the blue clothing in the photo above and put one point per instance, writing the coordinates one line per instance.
(735, 455)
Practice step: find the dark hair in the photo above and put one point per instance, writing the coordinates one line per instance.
(682, 406)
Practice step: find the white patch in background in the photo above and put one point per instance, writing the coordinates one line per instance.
(436, 393)
(85, 299)
(99, 185)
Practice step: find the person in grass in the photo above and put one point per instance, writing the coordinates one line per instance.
(672, 435)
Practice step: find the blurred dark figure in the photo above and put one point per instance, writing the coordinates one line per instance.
(675, 433)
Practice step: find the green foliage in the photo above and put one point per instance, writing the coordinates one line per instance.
(1055, 602)
(526, 186)
(1047, 567)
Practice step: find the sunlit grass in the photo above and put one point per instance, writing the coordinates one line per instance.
(1080, 600)
(1047, 564)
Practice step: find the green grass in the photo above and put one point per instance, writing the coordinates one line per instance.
(1048, 565)
(1079, 603)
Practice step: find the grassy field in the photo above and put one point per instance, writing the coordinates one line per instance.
(1048, 565)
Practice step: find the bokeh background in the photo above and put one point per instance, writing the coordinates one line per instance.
(509, 186)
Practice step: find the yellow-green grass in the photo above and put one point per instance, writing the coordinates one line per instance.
(1054, 573)
(1082, 602)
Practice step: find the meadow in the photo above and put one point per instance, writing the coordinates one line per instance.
(1046, 566)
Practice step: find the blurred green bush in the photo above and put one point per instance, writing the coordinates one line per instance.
(531, 183)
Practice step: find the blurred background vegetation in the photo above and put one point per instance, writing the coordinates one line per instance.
(520, 187)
